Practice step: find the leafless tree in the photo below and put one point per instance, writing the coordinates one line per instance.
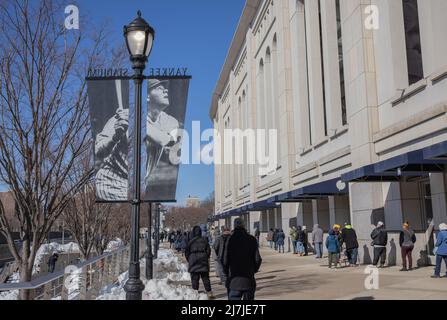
(43, 117)
(84, 218)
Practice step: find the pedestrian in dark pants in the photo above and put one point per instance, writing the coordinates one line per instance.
(349, 238)
(441, 250)
(306, 241)
(280, 240)
(241, 261)
(197, 253)
(275, 239)
(52, 262)
(380, 240)
(407, 239)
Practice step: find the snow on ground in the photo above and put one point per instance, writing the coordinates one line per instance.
(14, 294)
(50, 248)
(171, 276)
(114, 245)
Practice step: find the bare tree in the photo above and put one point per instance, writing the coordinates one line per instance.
(43, 118)
(84, 218)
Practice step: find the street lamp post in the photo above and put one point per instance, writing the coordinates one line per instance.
(157, 230)
(149, 256)
(139, 37)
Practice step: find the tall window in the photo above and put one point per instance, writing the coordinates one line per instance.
(322, 66)
(340, 65)
(413, 41)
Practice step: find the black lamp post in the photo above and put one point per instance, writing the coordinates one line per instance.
(157, 230)
(139, 37)
(149, 256)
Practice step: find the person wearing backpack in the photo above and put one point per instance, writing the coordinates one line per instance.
(441, 250)
(407, 239)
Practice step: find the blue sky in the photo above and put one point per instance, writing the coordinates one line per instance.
(195, 34)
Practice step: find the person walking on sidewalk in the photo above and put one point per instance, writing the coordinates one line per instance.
(407, 239)
(275, 239)
(380, 240)
(197, 253)
(219, 247)
(293, 235)
(333, 248)
(441, 250)
(349, 238)
(241, 262)
(280, 240)
(300, 241)
(305, 241)
(317, 240)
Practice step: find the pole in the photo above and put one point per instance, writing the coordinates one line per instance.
(134, 286)
(157, 230)
(149, 257)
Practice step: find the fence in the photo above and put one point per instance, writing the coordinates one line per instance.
(83, 281)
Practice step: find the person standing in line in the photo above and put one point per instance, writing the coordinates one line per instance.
(441, 250)
(293, 236)
(333, 248)
(300, 241)
(197, 253)
(280, 240)
(219, 247)
(270, 238)
(241, 262)
(407, 239)
(275, 239)
(380, 240)
(306, 241)
(317, 241)
(52, 262)
(349, 238)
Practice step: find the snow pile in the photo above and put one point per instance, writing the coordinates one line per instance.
(169, 284)
(50, 248)
(169, 266)
(14, 294)
(114, 245)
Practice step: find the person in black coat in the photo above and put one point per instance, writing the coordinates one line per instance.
(241, 261)
(349, 239)
(52, 262)
(380, 241)
(197, 253)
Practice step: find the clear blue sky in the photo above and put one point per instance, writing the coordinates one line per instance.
(195, 34)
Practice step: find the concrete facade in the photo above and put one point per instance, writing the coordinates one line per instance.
(284, 71)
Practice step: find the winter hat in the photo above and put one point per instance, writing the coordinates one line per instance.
(239, 223)
(380, 224)
(443, 227)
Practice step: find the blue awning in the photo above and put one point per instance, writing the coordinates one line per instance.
(411, 163)
(314, 191)
(418, 163)
(436, 152)
(368, 174)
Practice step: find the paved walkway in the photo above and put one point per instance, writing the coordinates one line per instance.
(289, 277)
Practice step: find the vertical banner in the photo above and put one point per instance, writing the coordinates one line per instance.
(167, 100)
(109, 114)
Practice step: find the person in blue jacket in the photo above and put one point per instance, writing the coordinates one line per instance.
(441, 250)
(333, 248)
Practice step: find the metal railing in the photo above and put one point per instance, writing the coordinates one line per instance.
(83, 281)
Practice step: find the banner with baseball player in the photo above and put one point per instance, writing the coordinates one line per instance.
(109, 114)
(167, 100)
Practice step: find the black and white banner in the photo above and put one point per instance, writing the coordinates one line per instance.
(167, 100)
(109, 114)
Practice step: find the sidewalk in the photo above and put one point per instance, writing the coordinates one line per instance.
(289, 277)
